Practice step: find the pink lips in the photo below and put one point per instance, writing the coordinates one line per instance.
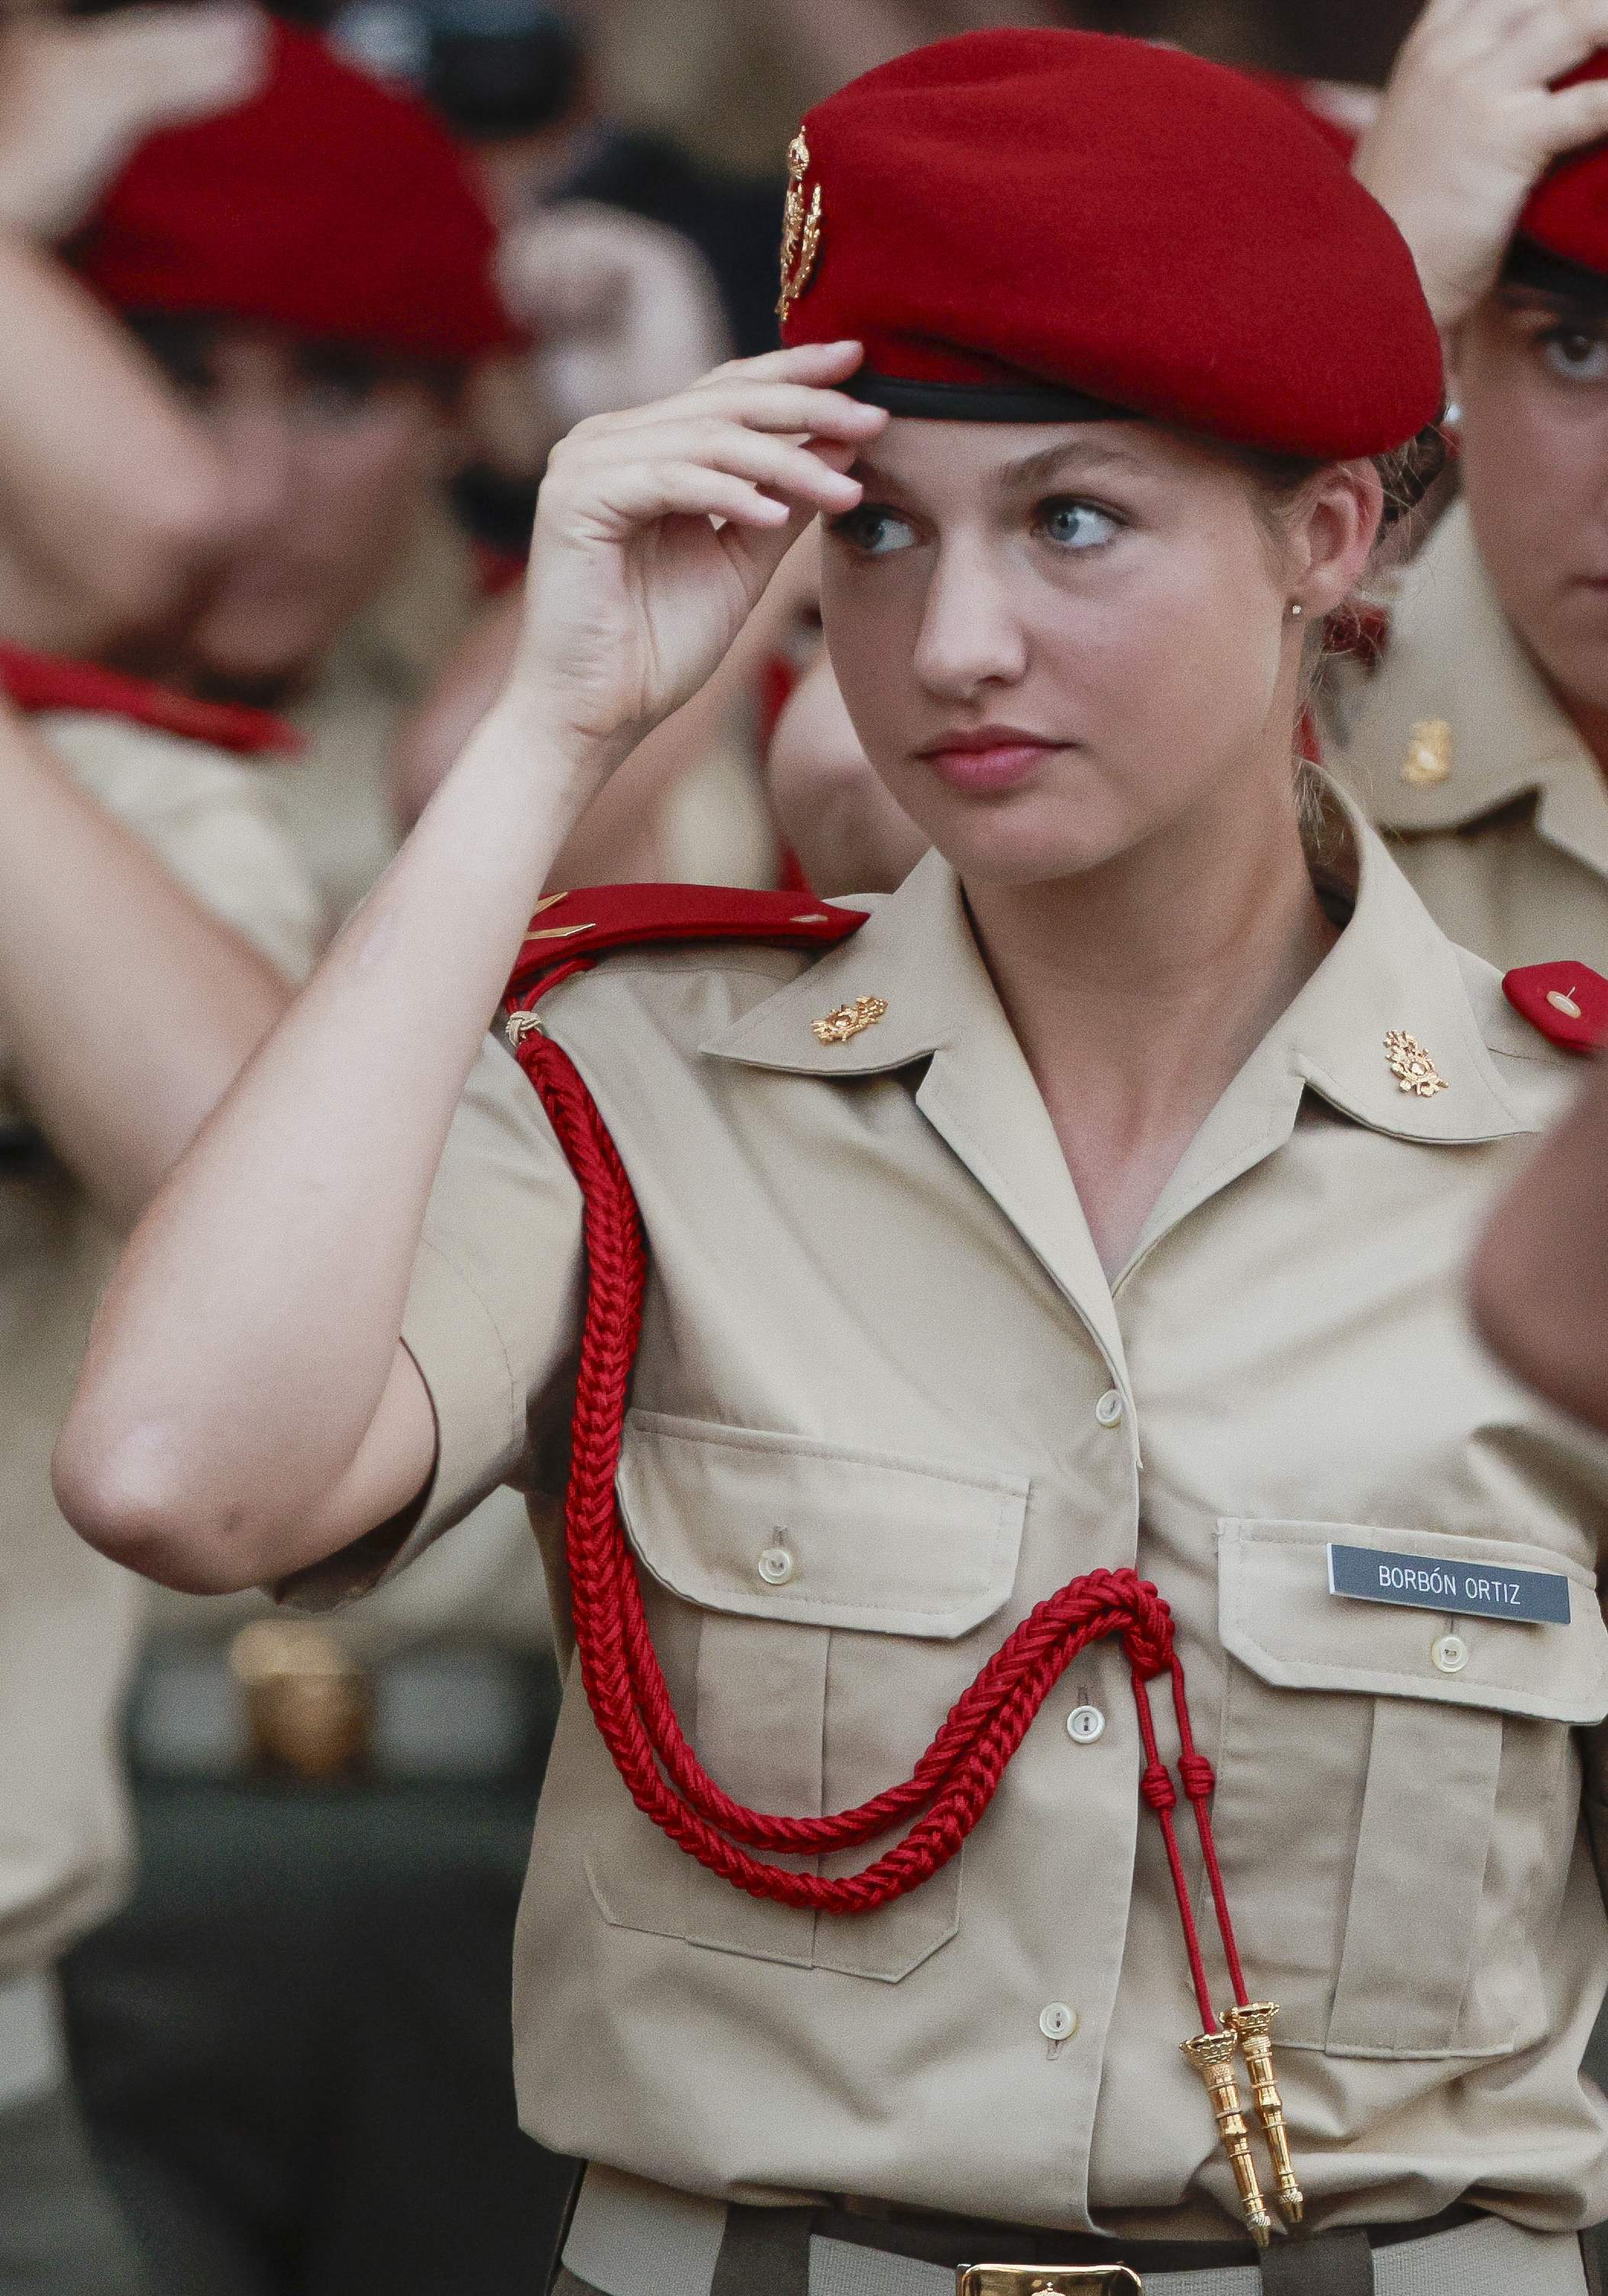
(988, 760)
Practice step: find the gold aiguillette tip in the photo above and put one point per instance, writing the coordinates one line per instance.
(1252, 2023)
(1212, 2057)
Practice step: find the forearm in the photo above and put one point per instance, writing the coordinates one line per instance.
(244, 1408)
(126, 1007)
(111, 496)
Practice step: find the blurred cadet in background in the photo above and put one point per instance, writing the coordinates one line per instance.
(1479, 739)
(270, 2064)
(137, 823)
(841, 827)
(313, 271)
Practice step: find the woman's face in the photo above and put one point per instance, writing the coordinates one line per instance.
(1533, 377)
(1055, 641)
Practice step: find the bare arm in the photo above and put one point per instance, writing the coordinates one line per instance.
(247, 1407)
(110, 491)
(1541, 1274)
(110, 494)
(126, 1007)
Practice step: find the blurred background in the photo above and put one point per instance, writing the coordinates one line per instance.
(294, 309)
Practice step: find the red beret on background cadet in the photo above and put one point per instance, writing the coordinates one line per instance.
(370, 233)
(1074, 173)
(1564, 221)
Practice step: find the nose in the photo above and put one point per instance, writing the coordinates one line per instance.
(970, 634)
(258, 452)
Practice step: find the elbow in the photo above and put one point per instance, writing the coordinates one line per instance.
(118, 1497)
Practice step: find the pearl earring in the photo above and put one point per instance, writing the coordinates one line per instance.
(1296, 611)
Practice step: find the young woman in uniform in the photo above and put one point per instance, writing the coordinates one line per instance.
(1480, 741)
(1093, 1208)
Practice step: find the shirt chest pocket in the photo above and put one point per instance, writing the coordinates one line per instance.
(817, 1610)
(1397, 1817)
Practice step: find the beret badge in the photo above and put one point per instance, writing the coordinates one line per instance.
(801, 228)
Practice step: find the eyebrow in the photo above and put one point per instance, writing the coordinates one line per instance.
(1588, 313)
(1031, 471)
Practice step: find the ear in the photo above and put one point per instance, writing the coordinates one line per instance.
(1333, 533)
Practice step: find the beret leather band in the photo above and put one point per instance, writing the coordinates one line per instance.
(1528, 263)
(982, 402)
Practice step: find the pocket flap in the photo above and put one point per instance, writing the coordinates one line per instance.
(1278, 1617)
(894, 1547)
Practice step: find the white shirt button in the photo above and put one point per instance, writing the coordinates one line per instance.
(1450, 1653)
(777, 1566)
(1058, 2023)
(1108, 1410)
(1085, 1723)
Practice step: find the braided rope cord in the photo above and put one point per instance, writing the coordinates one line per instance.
(958, 1775)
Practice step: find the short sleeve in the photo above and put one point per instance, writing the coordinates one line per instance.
(212, 822)
(493, 1319)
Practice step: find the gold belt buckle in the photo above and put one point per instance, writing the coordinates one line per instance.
(1047, 2280)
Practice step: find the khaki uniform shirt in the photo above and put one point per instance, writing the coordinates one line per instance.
(878, 1335)
(1510, 850)
(66, 1617)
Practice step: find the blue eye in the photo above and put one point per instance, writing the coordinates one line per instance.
(1072, 525)
(872, 530)
(1576, 355)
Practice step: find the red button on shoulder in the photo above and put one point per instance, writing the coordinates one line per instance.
(1567, 1003)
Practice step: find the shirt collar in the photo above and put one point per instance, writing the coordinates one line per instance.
(1454, 656)
(1392, 969)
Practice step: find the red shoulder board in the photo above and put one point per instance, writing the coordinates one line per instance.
(583, 924)
(1567, 1003)
(48, 681)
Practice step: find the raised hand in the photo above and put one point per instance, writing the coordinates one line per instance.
(76, 96)
(658, 529)
(1469, 122)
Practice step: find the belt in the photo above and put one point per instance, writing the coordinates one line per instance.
(33, 2052)
(629, 2238)
(285, 1700)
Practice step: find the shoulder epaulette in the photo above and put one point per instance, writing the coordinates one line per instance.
(1567, 1003)
(46, 681)
(586, 923)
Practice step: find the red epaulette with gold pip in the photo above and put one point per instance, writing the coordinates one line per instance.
(570, 928)
(47, 681)
(1567, 1003)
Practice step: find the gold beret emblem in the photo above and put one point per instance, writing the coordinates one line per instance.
(801, 228)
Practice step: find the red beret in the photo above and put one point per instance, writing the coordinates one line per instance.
(326, 204)
(1565, 217)
(1027, 226)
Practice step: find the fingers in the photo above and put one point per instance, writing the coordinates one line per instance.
(790, 473)
(1577, 115)
(1550, 40)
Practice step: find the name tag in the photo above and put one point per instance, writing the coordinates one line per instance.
(1426, 1582)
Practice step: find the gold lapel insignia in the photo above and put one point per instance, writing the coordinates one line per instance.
(800, 229)
(1429, 759)
(849, 1019)
(1411, 1065)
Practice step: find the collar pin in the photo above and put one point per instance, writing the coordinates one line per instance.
(1429, 759)
(1411, 1065)
(848, 1019)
